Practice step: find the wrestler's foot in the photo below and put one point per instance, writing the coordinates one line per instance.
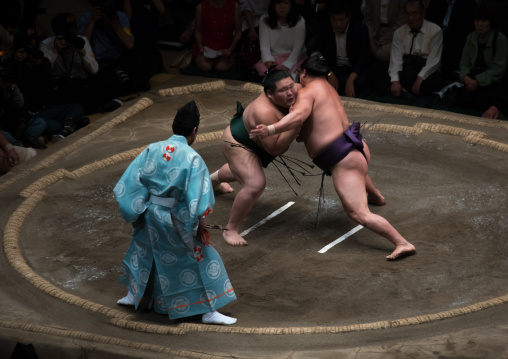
(401, 251)
(128, 300)
(233, 238)
(376, 199)
(217, 318)
(223, 187)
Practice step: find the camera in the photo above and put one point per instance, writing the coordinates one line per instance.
(33, 51)
(74, 40)
(107, 8)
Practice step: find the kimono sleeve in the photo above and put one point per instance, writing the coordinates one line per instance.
(199, 195)
(130, 193)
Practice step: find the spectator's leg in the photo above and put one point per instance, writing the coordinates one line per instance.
(203, 63)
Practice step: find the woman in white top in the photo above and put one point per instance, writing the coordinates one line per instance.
(281, 38)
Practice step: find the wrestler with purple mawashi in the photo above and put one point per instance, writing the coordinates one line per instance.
(336, 147)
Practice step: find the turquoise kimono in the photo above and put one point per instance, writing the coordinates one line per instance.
(186, 278)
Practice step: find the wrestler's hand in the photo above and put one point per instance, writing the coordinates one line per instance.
(259, 132)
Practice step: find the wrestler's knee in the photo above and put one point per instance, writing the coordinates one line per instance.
(358, 215)
(256, 188)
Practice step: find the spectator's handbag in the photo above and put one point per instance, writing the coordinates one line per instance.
(412, 65)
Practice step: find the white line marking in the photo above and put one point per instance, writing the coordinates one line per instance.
(338, 240)
(259, 224)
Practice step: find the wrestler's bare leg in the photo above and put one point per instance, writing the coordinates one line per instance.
(373, 194)
(246, 169)
(349, 180)
(222, 178)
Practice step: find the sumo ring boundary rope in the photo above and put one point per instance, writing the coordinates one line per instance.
(34, 194)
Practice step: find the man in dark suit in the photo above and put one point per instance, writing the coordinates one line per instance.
(455, 17)
(344, 43)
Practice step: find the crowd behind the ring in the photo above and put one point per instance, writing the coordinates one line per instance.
(49, 82)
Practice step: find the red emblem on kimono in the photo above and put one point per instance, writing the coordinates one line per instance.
(197, 253)
(167, 154)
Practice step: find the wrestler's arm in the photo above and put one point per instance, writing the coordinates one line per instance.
(277, 144)
(302, 109)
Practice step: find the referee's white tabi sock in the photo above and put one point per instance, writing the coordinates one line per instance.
(127, 300)
(217, 318)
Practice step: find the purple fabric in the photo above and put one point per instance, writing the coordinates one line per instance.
(339, 148)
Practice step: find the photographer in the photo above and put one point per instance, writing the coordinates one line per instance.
(110, 36)
(74, 66)
(17, 125)
(31, 71)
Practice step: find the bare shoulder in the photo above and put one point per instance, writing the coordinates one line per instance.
(265, 114)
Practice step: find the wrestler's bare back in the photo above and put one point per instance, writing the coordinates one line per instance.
(331, 119)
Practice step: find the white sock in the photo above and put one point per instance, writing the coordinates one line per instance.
(217, 318)
(127, 300)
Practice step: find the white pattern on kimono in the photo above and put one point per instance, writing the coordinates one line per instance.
(119, 189)
(209, 297)
(138, 205)
(164, 282)
(149, 168)
(213, 269)
(180, 304)
(168, 258)
(188, 277)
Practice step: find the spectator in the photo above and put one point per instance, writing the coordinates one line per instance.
(455, 17)
(109, 33)
(19, 128)
(344, 43)
(74, 66)
(252, 10)
(217, 32)
(32, 73)
(281, 38)
(313, 11)
(382, 18)
(483, 62)
(499, 104)
(144, 22)
(180, 25)
(415, 55)
(11, 156)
